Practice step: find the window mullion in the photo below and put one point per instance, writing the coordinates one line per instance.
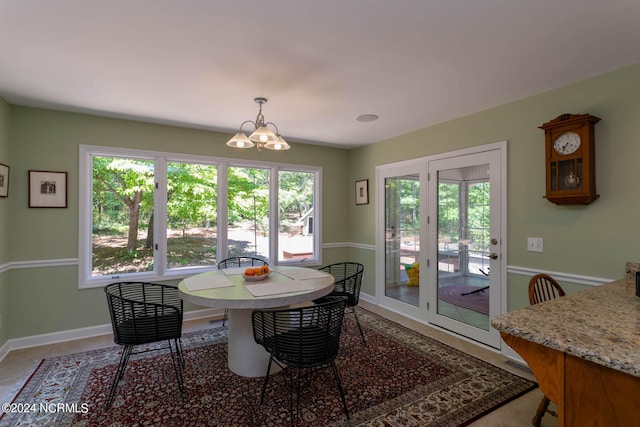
(274, 215)
(317, 208)
(223, 212)
(160, 217)
(85, 203)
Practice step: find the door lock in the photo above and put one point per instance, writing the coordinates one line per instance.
(493, 255)
(494, 241)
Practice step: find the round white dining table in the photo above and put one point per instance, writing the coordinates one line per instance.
(228, 289)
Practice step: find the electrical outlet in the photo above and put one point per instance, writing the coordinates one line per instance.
(534, 244)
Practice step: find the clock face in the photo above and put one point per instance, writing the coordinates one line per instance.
(567, 143)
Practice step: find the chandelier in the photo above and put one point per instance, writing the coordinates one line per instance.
(262, 136)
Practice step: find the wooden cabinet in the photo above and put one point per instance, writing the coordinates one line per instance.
(587, 394)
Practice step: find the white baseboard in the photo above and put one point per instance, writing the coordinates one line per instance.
(4, 350)
(80, 333)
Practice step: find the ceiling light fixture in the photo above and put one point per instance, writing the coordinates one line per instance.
(262, 136)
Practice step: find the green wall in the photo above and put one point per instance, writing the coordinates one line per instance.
(47, 299)
(594, 240)
(5, 115)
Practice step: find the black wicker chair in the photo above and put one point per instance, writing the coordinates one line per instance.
(348, 280)
(143, 313)
(300, 339)
(238, 261)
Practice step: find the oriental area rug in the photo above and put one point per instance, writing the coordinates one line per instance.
(401, 378)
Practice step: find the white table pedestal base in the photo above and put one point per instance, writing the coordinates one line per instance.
(245, 356)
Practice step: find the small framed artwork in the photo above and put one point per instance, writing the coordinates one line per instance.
(47, 189)
(4, 180)
(362, 192)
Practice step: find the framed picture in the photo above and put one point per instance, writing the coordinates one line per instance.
(4, 180)
(47, 189)
(362, 192)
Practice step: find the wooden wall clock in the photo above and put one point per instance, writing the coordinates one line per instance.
(570, 159)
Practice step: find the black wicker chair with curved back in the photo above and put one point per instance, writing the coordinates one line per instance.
(543, 287)
(301, 338)
(143, 313)
(236, 262)
(348, 280)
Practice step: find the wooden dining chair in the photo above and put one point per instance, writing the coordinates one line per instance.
(543, 287)
(235, 262)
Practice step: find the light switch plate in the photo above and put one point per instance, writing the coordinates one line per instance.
(534, 244)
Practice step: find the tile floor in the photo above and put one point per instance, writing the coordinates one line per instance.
(17, 365)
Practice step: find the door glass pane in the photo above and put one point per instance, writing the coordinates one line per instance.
(191, 215)
(122, 216)
(463, 245)
(478, 232)
(402, 247)
(296, 222)
(248, 230)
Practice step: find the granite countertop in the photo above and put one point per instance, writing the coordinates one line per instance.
(601, 324)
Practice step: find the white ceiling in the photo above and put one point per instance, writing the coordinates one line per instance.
(321, 63)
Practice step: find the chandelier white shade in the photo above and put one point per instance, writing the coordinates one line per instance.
(262, 136)
(240, 140)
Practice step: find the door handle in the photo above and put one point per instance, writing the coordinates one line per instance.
(493, 255)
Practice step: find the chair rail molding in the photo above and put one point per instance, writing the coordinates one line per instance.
(349, 245)
(17, 265)
(513, 269)
(560, 276)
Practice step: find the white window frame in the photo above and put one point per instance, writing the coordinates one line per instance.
(160, 159)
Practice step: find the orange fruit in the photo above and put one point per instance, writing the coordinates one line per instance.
(257, 271)
(249, 272)
(264, 270)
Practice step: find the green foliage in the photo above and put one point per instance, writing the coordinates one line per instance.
(403, 198)
(479, 218)
(478, 212)
(449, 210)
(410, 203)
(295, 195)
(123, 201)
(117, 182)
(122, 192)
(191, 194)
(248, 196)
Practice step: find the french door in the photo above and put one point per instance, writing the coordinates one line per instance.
(441, 223)
(403, 196)
(465, 245)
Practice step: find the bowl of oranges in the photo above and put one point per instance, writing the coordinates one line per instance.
(253, 274)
